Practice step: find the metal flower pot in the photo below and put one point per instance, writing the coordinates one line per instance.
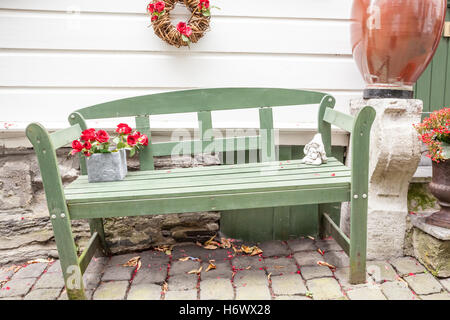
(440, 188)
(103, 167)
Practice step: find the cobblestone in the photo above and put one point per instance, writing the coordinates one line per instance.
(242, 277)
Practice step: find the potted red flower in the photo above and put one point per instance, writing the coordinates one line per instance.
(435, 134)
(105, 156)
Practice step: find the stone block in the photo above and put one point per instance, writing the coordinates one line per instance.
(303, 244)
(436, 296)
(43, 294)
(336, 258)
(148, 275)
(33, 270)
(145, 291)
(117, 273)
(445, 283)
(423, 283)
(223, 271)
(244, 262)
(328, 245)
(250, 277)
(274, 249)
(114, 290)
(432, 252)
(15, 185)
(324, 289)
(280, 266)
(407, 265)
(91, 280)
(342, 275)
(16, 287)
(397, 290)
(288, 285)
(97, 265)
(381, 271)
(216, 289)
(50, 280)
(292, 298)
(182, 281)
(311, 272)
(253, 292)
(366, 293)
(180, 267)
(307, 258)
(181, 295)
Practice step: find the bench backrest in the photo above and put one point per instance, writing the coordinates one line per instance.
(203, 102)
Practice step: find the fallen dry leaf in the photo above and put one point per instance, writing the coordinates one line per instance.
(325, 264)
(320, 251)
(248, 268)
(211, 266)
(210, 240)
(279, 267)
(40, 261)
(268, 276)
(236, 250)
(165, 287)
(247, 249)
(256, 251)
(139, 265)
(210, 247)
(184, 259)
(199, 244)
(196, 271)
(312, 238)
(133, 262)
(225, 243)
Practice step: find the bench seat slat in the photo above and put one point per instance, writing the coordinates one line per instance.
(187, 183)
(238, 168)
(180, 177)
(212, 190)
(198, 203)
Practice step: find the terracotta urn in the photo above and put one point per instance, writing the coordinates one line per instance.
(440, 188)
(393, 41)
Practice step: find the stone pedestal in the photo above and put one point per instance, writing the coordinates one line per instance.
(394, 157)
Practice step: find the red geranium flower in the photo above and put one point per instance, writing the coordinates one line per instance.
(143, 140)
(87, 145)
(88, 135)
(132, 140)
(76, 146)
(203, 4)
(102, 136)
(123, 128)
(159, 6)
(154, 18)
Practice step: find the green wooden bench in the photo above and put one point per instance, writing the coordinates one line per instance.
(240, 186)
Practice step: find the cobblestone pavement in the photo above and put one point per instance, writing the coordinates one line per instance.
(286, 270)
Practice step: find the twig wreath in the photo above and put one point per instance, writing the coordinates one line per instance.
(185, 32)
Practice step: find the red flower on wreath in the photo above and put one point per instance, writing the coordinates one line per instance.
(203, 4)
(160, 6)
(151, 7)
(184, 29)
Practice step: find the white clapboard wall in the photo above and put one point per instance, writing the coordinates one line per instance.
(60, 55)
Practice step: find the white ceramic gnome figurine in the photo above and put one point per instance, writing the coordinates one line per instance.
(315, 151)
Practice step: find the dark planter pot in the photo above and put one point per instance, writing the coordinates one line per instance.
(440, 188)
(393, 41)
(103, 167)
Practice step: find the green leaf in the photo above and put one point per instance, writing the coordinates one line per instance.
(207, 13)
(132, 152)
(185, 39)
(116, 140)
(121, 145)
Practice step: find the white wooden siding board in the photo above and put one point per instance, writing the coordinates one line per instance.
(176, 70)
(54, 31)
(54, 105)
(323, 9)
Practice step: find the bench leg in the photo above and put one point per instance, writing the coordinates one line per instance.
(323, 208)
(68, 257)
(358, 241)
(96, 225)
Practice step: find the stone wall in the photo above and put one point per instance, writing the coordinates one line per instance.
(25, 228)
